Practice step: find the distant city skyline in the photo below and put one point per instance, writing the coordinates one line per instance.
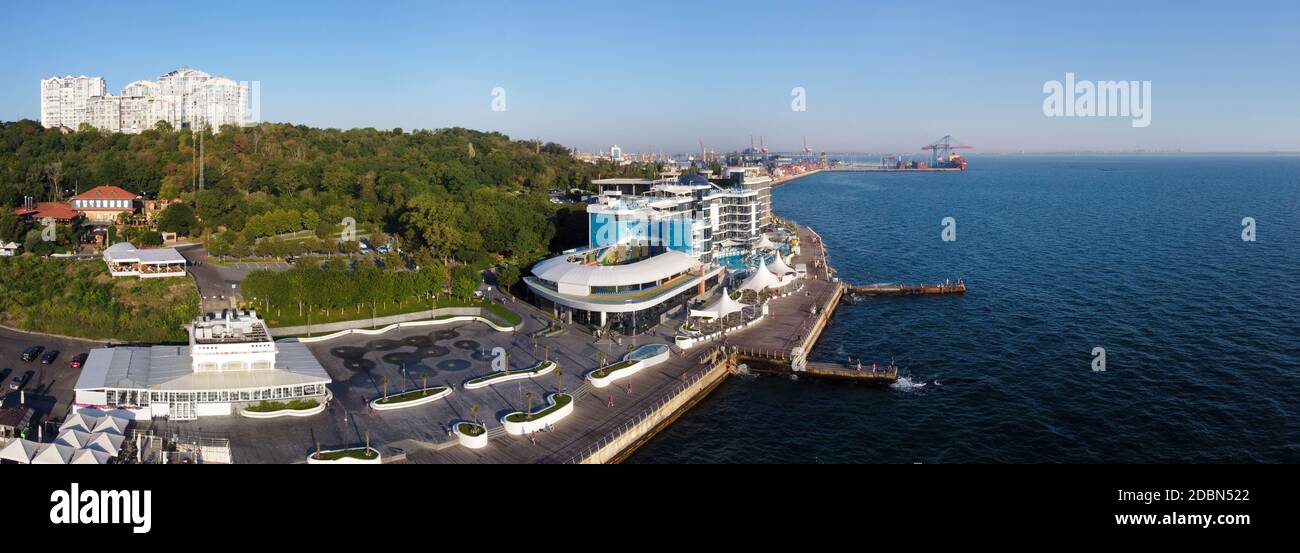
(877, 78)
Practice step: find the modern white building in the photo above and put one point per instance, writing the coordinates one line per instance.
(185, 98)
(629, 288)
(65, 101)
(124, 259)
(692, 214)
(230, 361)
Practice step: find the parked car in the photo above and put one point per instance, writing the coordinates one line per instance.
(21, 381)
(31, 353)
(49, 357)
(78, 360)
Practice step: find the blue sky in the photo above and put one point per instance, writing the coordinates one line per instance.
(879, 76)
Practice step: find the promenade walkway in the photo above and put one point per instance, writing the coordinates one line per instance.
(795, 316)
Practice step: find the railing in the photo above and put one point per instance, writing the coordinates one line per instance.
(759, 353)
(617, 433)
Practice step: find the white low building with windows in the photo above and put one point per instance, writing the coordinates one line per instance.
(623, 287)
(230, 361)
(124, 259)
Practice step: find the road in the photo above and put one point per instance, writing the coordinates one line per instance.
(217, 284)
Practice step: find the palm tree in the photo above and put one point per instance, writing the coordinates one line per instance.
(559, 382)
(546, 349)
(529, 413)
(473, 413)
(384, 381)
(424, 378)
(600, 358)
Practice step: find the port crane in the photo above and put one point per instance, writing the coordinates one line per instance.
(941, 151)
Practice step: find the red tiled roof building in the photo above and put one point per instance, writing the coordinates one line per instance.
(104, 203)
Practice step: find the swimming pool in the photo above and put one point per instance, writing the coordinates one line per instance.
(647, 351)
(739, 262)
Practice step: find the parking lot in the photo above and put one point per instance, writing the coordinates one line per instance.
(49, 393)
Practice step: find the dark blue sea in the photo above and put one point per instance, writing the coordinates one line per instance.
(1140, 255)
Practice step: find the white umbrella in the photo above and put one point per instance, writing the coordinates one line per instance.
(20, 451)
(83, 420)
(106, 442)
(73, 438)
(90, 457)
(111, 424)
(764, 243)
(53, 454)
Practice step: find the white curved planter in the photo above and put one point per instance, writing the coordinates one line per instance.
(629, 370)
(521, 428)
(473, 442)
(318, 409)
(611, 377)
(374, 403)
(541, 369)
(312, 460)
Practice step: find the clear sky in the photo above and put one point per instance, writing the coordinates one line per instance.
(879, 76)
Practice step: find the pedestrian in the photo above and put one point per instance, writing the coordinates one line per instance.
(629, 388)
(610, 402)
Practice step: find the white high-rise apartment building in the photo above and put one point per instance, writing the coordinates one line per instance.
(66, 100)
(185, 98)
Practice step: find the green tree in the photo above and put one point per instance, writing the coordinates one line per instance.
(178, 218)
(507, 277)
(465, 280)
(12, 227)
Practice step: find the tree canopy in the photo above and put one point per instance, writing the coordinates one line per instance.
(461, 194)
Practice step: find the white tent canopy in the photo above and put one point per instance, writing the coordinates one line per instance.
(762, 279)
(720, 307)
(90, 457)
(92, 420)
(110, 444)
(779, 268)
(20, 451)
(54, 454)
(73, 438)
(764, 243)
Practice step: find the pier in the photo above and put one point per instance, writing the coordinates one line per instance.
(839, 371)
(941, 288)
